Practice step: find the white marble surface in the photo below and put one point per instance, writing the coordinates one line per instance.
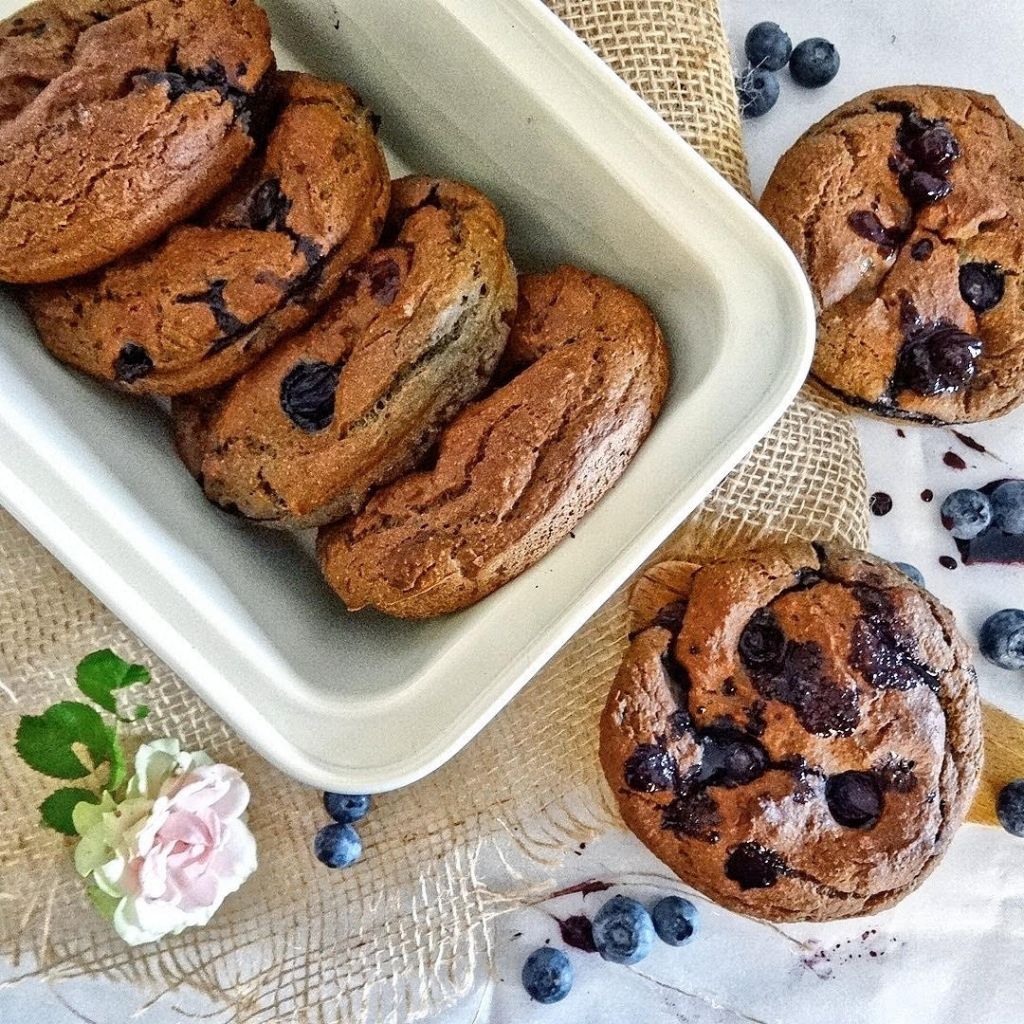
(948, 952)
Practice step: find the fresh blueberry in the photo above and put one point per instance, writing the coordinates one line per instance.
(966, 513)
(1008, 507)
(758, 89)
(623, 931)
(346, 808)
(1010, 807)
(337, 845)
(547, 975)
(1002, 638)
(767, 46)
(674, 920)
(911, 572)
(815, 62)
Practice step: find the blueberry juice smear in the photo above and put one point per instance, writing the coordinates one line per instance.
(937, 358)
(992, 546)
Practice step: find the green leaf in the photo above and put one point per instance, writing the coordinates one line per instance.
(57, 807)
(118, 769)
(102, 901)
(46, 742)
(102, 672)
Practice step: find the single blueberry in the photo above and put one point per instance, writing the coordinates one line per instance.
(1010, 807)
(758, 90)
(346, 808)
(650, 769)
(937, 358)
(623, 931)
(928, 143)
(762, 643)
(132, 363)
(982, 285)
(854, 799)
(547, 975)
(814, 63)
(675, 920)
(730, 758)
(308, 393)
(767, 46)
(337, 845)
(752, 866)
(1002, 638)
(1008, 507)
(923, 187)
(911, 572)
(966, 513)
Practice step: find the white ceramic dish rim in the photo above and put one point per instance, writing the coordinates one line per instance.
(29, 479)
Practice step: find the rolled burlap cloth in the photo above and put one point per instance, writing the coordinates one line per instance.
(407, 931)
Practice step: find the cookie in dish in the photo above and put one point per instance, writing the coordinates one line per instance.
(201, 305)
(581, 384)
(119, 118)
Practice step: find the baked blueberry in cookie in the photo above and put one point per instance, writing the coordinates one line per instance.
(119, 118)
(206, 301)
(414, 333)
(795, 732)
(906, 208)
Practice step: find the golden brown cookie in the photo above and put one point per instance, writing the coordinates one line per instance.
(796, 733)
(119, 118)
(353, 402)
(205, 302)
(518, 470)
(906, 208)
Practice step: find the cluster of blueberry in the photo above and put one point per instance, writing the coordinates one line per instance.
(623, 931)
(812, 64)
(338, 845)
(967, 514)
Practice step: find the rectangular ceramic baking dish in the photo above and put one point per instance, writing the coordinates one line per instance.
(500, 93)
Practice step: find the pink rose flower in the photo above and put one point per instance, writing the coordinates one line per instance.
(175, 847)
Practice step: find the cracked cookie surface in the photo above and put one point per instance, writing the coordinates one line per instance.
(796, 733)
(206, 301)
(905, 207)
(414, 334)
(585, 372)
(119, 118)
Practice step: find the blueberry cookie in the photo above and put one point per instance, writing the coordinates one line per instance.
(117, 120)
(796, 733)
(205, 302)
(414, 334)
(906, 208)
(586, 371)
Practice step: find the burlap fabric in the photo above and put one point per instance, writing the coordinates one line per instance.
(408, 930)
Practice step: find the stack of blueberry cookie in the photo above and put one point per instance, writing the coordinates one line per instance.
(342, 351)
